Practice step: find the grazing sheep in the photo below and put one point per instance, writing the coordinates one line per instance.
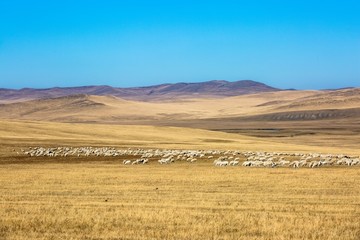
(268, 163)
(234, 163)
(222, 163)
(224, 158)
(302, 163)
(313, 164)
(294, 164)
(283, 162)
(355, 162)
(247, 163)
(126, 162)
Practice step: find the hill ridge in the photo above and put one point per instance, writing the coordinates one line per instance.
(213, 88)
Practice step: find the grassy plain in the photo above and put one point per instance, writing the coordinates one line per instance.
(15, 134)
(108, 200)
(100, 198)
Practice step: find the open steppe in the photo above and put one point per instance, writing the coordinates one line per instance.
(108, 200)
(16, 134)
(101, 198)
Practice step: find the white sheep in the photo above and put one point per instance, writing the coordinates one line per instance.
(126, 162)
(234, 163)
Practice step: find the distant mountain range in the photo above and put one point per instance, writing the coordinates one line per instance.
(215, 88)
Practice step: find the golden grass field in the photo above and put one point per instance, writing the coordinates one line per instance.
(108, 200)
(15, 134)
(100, 198)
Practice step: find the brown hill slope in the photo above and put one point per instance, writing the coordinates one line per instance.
(342, 98)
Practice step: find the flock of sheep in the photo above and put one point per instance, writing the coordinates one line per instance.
(218, 157)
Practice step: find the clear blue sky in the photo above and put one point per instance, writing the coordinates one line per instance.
(289, 44)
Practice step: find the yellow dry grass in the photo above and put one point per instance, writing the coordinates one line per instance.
(180, 201)
(99, 198)
(25, 133)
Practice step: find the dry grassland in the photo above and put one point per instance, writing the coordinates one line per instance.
(100, 198)
(107, 200)
(17, 134)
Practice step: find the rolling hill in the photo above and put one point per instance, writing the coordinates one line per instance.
(216, 88)
(327, 118)
(264, 106)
